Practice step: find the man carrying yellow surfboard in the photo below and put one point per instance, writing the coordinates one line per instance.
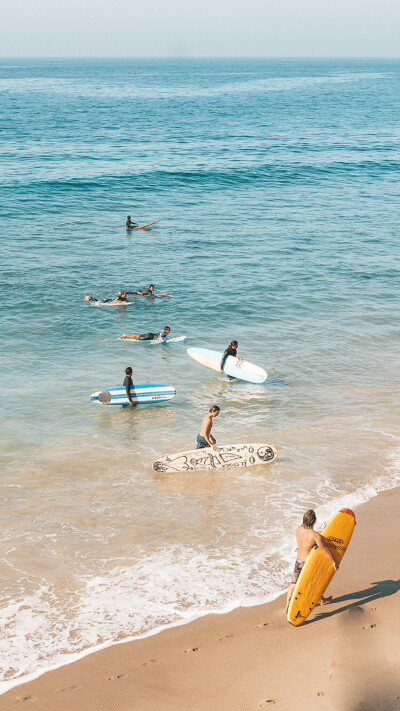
(307, 538)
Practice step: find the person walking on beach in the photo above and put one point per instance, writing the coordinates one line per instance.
(160, 336)
(230, 351)
(129, 224)
(307, 538)
(205, 438)
(128, 384)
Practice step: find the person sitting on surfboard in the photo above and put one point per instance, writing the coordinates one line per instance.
(307, 538)
(205, 438)
(128, 383)
(230, 351)
(129, 224)
(121, 299)
(149, 336)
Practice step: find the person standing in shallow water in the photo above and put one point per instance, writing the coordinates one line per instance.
(205, 438)
(128, 384)
(230, 351)
(307, 538)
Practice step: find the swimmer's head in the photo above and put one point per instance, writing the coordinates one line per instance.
(167, 329)
(309, 518)
(129, 217)
(234, 344)
(89, 297)
(151, 287)
(123, 293)
(128, 370)
(214, 410)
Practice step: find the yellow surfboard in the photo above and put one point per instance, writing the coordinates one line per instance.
(318, 570)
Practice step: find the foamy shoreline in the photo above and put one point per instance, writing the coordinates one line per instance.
(161, 659)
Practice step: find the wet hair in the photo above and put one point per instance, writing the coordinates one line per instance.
(234, 344)
(215, 408)
(309, 518)
(151, 285)
(128, 370)
(165, 328)
(123, 292)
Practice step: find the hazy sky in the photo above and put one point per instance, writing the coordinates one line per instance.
(363, 28)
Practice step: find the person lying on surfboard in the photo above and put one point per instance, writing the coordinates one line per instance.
(230, 351)
(147, 292)
(121, 299)
(129, 224)
(205, 438)
(307, 538)
(149, 336)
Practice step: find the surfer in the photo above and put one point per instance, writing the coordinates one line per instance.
(149, 336)
(128, 384)
(205, 438)
(230, 351)
(121, 299)
(307, 538)
(129, 224)
(146, 292)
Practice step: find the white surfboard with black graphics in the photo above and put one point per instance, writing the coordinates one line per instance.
(228, 455)
(144, 394)
(235, 367)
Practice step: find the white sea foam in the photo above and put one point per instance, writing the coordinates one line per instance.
(170, 586)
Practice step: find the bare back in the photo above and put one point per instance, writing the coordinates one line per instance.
(306, 539)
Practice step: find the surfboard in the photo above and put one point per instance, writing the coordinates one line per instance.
(318, 570)
(235, 367)
(175, 339)
(139, 227)
(144, 394)
(229, 455)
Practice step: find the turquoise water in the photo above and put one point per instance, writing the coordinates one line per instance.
(276, 183)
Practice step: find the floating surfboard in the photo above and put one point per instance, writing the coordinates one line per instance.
(318, 570)
(139, 227)
(235, 367)
(229, 455)
(144, 394)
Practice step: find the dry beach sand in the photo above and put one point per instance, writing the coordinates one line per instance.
(346, 657)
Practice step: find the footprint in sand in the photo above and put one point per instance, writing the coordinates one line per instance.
(227, 636)
(268, 702)
(262, 624)
(69, 688)
(191, 649)
(151, 660)
(369, 627)
(27, 698)
(114, 677)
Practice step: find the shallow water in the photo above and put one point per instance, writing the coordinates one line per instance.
(276, 183)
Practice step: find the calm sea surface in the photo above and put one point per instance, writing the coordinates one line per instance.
(277, 187)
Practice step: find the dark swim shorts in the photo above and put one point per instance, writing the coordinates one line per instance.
(297, 570)
(201, 442)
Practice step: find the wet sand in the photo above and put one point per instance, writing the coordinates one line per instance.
(346, 657)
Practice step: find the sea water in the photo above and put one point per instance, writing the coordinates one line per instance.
(277, 186)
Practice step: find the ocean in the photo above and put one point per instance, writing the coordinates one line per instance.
(276, 183)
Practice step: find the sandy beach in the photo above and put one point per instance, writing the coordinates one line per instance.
(344, 658)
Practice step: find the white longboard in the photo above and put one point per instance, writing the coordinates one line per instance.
(228, 455)
(235, 367)
(175, 339)
(144, 394)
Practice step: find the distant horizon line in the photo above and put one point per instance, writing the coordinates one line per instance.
(199, 57)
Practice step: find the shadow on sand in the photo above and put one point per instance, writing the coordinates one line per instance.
(382, 588)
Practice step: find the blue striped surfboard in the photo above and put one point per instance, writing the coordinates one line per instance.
(143, 394)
